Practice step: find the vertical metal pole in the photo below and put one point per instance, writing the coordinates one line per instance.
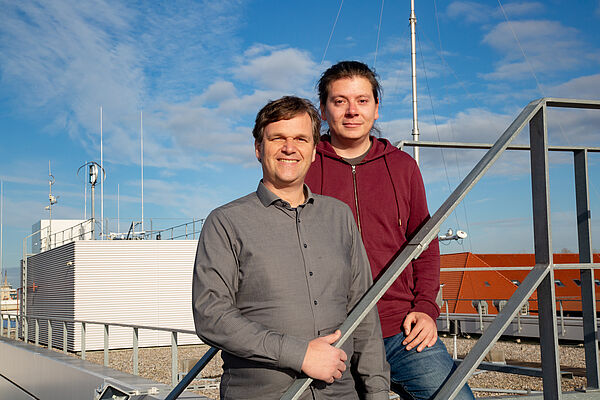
(562, 318)
(543, 255)
(413, 58)
(1, 324)
(25, 329)
(588, 293)
(194, 228)
(37, 332)
(49, 334)
(135, 352)
(106, 345)
(83, 340)
(64, 326)
(174, 366)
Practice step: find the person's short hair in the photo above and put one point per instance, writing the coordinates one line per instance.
(347, 69)
(285, 108)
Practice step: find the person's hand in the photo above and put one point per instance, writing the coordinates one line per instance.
(323, 361)
(420, 330)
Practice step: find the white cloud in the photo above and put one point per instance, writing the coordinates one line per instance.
(469, 11)
(476, 12)
(549, 46)
(282, 69)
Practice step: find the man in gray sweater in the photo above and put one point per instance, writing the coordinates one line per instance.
(277, 272)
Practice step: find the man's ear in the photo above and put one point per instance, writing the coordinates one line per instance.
(257, 151)
(323, 112)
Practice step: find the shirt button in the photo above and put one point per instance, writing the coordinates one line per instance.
(315, 302)
(310, 273)
(305, 245)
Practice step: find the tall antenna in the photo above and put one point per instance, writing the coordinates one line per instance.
(118, 212)
(142, 158)
(1, 236)
(53, 201)
(101, 182)
(84, 196)
(413, 57)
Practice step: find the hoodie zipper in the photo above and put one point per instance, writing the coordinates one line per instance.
(356, 197)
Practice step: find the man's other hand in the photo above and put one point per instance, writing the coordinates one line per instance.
(323, 361)
(420, 330)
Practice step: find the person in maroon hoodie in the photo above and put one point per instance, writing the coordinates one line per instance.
(384, 188)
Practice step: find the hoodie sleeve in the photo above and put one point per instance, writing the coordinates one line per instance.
(426, 268)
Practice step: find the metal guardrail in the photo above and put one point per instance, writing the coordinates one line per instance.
(27, 319)
(541, 276)
(188, 230)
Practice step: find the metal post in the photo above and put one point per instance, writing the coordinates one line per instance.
(543, 255)
(25, 329)
(174, 366)
(49, 334)
(83, 340)
(588, 293)
(106, 345)
(135, 352)
(562, 318)
(1, 324)
(37, 331)
(447, 315)
(480, 312)
(64, 326)
(413, 58)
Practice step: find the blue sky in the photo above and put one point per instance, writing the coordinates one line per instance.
(200, 70)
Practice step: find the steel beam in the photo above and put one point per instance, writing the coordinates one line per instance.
(543, 255)
(588, 293)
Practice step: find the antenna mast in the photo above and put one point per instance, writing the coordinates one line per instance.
(142, 163)
(101, 182)
(413, 57)
(53, 201)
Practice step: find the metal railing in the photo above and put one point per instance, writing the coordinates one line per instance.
(188, 230)
(541, 276)
(26, 320)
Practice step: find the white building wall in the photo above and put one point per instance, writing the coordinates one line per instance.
(141, 282)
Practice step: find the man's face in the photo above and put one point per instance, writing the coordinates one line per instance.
(286, 152)
(350, 109)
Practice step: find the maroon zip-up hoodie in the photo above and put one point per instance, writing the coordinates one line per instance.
(386, 194)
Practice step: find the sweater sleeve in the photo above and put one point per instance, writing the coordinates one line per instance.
(426, 268)
(217, 319)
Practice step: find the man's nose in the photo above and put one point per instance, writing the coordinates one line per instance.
(289, 146)
(351, 109)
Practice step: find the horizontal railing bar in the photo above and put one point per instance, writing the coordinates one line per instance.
(484, 146)
(152, 328)
(528, 268)
(571, 103)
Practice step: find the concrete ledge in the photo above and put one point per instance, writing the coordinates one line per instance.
(48, 374)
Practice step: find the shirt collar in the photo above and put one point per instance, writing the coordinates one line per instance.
(267, 197)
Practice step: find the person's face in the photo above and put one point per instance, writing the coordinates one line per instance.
(350, 109)
(286, 152)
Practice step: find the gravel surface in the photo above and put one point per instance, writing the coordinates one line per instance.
(155, 364)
